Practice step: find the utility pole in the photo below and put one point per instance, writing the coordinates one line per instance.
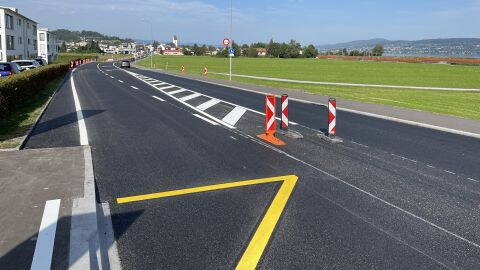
(231, 33)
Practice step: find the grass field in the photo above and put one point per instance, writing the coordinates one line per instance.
(462, 104)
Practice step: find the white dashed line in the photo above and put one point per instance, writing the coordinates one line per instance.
(208, 104)
(471, 179)
(363, 145)
(205, 119)
(42, 257)
(161, 99)
(234, 115)
(233, 138)
(430, 166)
(136, 88)
(449, 172)
(120, 81)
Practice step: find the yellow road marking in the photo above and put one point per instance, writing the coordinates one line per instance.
(256, 247)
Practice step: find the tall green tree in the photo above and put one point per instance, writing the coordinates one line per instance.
(378, 50)
(310, 51)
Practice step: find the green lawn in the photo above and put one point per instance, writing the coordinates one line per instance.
(462, 104)
(15, 126)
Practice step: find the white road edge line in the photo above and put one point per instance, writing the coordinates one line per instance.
(206, 119)
(42, 257)
(155, 97)
(81, 122)
(234, 115)
(136, 88)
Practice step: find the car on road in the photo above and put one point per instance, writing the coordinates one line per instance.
(41, 61)
(125, 64)
(9, 68)
(27, 64)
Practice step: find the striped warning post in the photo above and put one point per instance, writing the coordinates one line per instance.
(205, 71)
(182, 69)
(332, 117)
(270, 123)
(284, 124)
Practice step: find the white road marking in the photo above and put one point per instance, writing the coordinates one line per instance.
(158, 84)
(404, 158)
(120, 81)
(208, 104)
(206, 119)
(176, 91)
(447, 171)
(161, 99)
(136, 88)
(365, 192)
(167, 87)
(81, 122)
(112, 77)
(363, 145)
(430, 166)
(471, 179)
(233, 138)
(234, 115)
(192, 96)
(42, 257)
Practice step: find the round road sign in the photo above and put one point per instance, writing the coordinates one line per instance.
(226, 42)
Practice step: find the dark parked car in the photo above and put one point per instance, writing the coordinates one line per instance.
(9, 68)
(125, 64)
(41, 61)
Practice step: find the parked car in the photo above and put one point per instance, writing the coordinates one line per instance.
(27, 64)
(9, 68)
(41, 61)
(125, 64)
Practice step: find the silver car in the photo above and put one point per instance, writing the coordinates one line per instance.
(27, 64)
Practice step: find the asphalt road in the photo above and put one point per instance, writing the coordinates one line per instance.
(382, 199)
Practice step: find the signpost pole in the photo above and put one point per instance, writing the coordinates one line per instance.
(231, 33)
(230, 67)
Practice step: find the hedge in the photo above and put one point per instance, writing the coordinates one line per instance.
(18, 88)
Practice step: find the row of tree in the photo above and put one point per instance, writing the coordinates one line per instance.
(378, 50)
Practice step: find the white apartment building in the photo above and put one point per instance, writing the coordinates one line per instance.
(18, 35)
(47, 45)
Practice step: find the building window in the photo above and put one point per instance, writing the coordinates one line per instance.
(42, 36)
(8, 21)
(34, 44)
(0, 42)
(20, 22)
(20, 41)
(34, 29)
(10, 43)
(28, 25)
(28, 40)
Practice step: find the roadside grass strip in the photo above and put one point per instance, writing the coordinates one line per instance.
(261, 237)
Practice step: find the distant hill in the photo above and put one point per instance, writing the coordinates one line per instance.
(458, 47)
(69, 36)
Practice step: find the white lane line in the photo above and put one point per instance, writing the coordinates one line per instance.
(208, 104)
(161, 99)
(206, 119)
(81, 122)
(42, 257)
(192, 96)
(167, 87)
(404, 158)
(234, 115)
(233, 138)
(449, 172)
(120, 81)
(430, 166)
(176, 91)
(471, 179)
(363, 145)
(112, 77)
(136, 88)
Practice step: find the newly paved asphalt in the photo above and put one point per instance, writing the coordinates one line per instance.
(383, 199)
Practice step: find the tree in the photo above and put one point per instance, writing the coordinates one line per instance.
(273, 49)
(245, 49)
(252, 52)
(63, 47)
(311, 51)
(378, 50)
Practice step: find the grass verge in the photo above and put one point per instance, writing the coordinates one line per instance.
(15, 126)
(455, 103)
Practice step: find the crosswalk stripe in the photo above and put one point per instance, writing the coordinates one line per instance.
(192, 96)
(234, 115)
(177, 91)
(208, 104)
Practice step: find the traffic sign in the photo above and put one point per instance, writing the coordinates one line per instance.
(226, 42)
(232, 52)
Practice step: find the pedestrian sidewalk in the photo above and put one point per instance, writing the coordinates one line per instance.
(28, 180)
(407, 116)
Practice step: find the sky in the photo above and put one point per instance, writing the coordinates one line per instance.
(307, 21)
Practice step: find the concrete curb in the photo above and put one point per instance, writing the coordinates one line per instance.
(431, 125)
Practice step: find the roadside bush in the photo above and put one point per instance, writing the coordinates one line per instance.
(16, 89)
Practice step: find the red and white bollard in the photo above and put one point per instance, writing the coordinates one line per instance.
(182, 69)
(270, 122)
(284, 122)
(332, 117)
(205, 71)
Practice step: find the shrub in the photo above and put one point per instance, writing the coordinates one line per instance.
(16, 89)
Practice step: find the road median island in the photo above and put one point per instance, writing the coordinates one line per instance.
(431, 120)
